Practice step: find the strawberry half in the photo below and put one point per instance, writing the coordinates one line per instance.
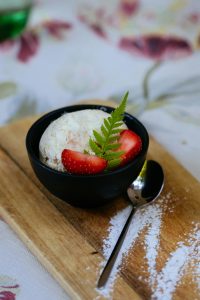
(78, 163)
(131, 144)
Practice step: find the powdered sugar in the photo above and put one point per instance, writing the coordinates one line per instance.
(174, 269)
(116, 225)
(152, 241)
(187, 252)
(144, 217)
(136, 226)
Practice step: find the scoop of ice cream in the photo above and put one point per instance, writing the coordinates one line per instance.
(70, 131)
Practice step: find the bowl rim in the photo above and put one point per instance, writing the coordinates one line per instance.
(73, 108)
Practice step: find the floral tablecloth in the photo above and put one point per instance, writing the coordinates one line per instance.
(75, 50)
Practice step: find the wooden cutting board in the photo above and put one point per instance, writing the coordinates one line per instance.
(68, 240)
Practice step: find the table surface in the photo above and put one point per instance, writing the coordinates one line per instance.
(86, 54)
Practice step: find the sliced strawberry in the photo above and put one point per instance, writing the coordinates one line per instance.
(78, 163)
(131, 144)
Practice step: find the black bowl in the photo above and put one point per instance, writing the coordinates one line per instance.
(85, 190)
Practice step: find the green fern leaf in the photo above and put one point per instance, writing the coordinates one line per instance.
(104, 131)
(109, 120)
(113, 138)
(113, 155)
(118, 124)
(112, 147)
(106, 140)
(100, 139)
(86, 152)
(113, 163)
(116, 131)
(94, 147)
(107, 124)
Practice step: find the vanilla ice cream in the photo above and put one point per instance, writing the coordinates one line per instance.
(70, 131)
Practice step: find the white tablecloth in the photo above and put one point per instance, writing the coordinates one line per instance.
(80, 58)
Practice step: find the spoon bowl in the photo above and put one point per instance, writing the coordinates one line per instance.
(145, 189)
(148, 185)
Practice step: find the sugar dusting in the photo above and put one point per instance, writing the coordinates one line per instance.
(149, 216)
(187, 252)
(152, 241)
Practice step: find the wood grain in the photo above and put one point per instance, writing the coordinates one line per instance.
(49, 235)
(28, 203)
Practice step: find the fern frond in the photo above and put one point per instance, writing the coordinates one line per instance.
(112, 147)
(113, 155)
(113, 138)
(99, 138)
(118, 124)
(107, 124)
(94, 147)
(106, 140)
(116, 131)
(104, 130)
(113, 163)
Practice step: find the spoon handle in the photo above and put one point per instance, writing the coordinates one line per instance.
(110, 263)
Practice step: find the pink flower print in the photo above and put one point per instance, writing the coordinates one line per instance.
(6, 295)
(29, 41)
(194, 18)
(29, 44)
(55, 27)
(157, 47)
(95, 25)
(8, 288)
(7, 45)
(128, 7)
(98, 30)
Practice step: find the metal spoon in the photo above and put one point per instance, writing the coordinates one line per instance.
(145, 189)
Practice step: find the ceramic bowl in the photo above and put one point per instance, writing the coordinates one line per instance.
(85, 190)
